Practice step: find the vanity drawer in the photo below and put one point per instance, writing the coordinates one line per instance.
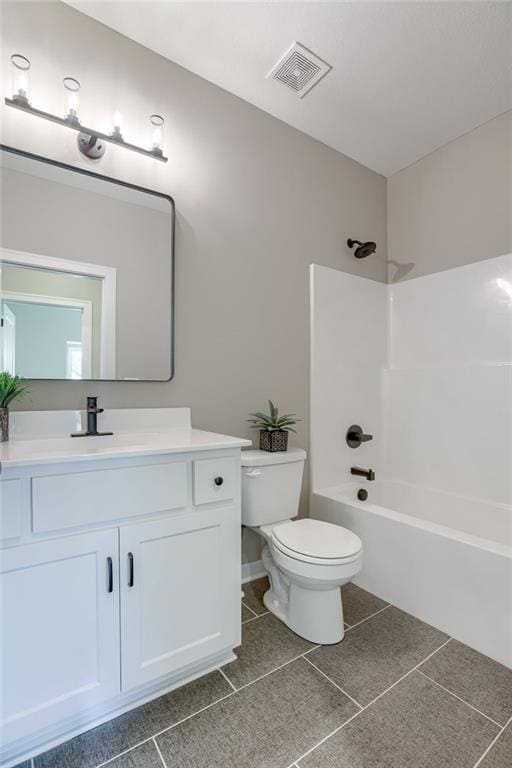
(82, 498)
(10, 509)
(215, 480)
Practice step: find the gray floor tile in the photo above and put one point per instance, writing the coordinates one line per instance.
(500, 754)
(111, 738)
(377, 653)
(266, 644)
(477, 679)
(415, 725)
(254, 591)
(145, 756)
(266, 725)
(358, 604)
(246, 613)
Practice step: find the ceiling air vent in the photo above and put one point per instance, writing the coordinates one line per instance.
(299, 69)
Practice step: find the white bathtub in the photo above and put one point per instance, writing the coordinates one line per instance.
(425, 551)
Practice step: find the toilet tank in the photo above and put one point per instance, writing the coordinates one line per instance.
(271, 484)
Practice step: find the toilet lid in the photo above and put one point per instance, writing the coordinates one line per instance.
(318, 539)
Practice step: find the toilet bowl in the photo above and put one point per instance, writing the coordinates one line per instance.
(307, 561)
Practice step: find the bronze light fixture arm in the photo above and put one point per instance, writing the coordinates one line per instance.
(77, 126)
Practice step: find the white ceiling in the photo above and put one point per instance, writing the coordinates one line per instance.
(407, 77)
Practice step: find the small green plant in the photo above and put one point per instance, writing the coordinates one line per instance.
(272, 421)
(11, 387)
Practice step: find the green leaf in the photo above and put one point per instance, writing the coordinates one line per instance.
(272, 420)
(11, 387)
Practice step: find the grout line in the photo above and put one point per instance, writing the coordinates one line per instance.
(247, 685)
(459, 698)
(325, 738)
(159, 733)
(208, 706)
(253, 618)
(357, 714)
(203, 709)
(124, 752)
(333, 683)
(300, 656)
(493, 742)
(159, 753)
(249, 609)
(226, 678)
(352, 626)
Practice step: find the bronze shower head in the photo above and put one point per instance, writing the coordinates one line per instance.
(363, 249)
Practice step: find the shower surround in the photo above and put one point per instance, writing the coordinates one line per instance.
(426, 367)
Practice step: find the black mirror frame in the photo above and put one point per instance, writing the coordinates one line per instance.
(110, 179)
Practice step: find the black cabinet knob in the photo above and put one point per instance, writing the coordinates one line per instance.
(218, 480)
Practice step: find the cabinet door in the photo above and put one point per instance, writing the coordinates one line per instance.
(60, 630)
(180, 589)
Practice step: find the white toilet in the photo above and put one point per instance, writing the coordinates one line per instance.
(306, 560)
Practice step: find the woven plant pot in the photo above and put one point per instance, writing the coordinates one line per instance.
(4, 424)
(276, 440)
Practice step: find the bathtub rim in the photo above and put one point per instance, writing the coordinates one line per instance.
(340, 494)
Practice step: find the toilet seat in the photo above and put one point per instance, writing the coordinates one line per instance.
(316, 542)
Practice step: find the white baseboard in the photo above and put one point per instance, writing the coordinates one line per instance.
(252, 571)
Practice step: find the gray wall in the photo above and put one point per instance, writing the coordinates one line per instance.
(257, 201)
(454, 206)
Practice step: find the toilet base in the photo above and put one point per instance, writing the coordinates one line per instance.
(304, 596)
(315, 615)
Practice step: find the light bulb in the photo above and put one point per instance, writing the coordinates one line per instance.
(72, 87)
(73, 105)
(157, 122)
(22, 84)
(157, 138)
(117, 132)
(505, 286)
(20, 79)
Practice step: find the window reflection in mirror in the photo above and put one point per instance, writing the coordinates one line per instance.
(52, 324)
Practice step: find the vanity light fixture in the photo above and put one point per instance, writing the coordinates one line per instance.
(91, 142)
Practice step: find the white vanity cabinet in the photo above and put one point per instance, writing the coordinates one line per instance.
(119, 578)
(178, 591)
(60, 629)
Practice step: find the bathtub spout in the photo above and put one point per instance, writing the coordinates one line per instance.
(368, 473)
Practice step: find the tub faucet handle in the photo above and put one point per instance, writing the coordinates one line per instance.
(355, 436)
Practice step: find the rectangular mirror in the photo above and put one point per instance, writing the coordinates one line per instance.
(86, 274)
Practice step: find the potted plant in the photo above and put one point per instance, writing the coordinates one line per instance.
(273, 428)
(11, 387)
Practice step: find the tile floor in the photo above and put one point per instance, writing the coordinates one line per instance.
(396, 693)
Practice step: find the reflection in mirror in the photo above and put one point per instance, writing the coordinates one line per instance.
(86, 269)
(53, 325)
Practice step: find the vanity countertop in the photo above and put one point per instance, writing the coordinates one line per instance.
(18, 453)
(159, 434)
